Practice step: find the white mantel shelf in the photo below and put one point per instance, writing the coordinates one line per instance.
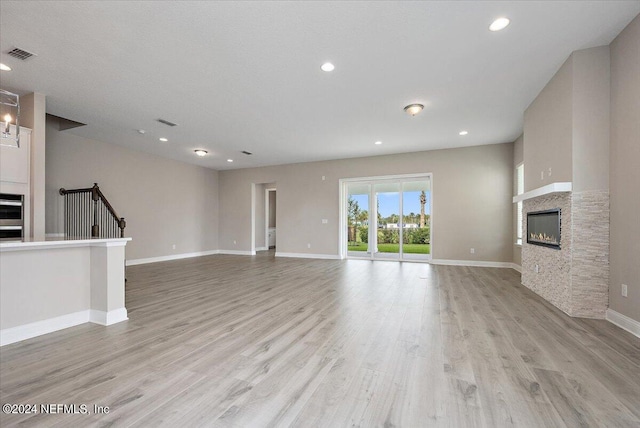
(544, 190)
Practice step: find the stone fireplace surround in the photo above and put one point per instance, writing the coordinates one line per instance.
(575, 278)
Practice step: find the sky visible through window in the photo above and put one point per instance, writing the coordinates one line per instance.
(389, 203)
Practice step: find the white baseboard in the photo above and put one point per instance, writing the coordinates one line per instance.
(262, 248)
(237, 252)
(170, 257)
(624, 322)
(309, 256)
(38, 328)
(108, 318)
(475, 263)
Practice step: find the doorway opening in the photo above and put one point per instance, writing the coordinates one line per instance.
(263, 217)
(387, 218)
(270, 218)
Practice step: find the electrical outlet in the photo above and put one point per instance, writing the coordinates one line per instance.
(323, 177)
(473, 251)
(325, 221)
(234, 242)
(549, 172)
(537, 269)
(624, 290)
(541, 175)
(174, 246)
(308, 245)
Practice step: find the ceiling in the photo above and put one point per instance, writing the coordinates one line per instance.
(246, 75)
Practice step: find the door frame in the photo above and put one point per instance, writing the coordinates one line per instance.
(266, 215)
(343, 182)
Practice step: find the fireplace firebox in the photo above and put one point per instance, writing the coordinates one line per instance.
(544, 227)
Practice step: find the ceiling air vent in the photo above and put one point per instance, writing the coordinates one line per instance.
(21, 54)
(247, 153)
(166, 122)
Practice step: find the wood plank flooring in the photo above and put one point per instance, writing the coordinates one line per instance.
(236, 341)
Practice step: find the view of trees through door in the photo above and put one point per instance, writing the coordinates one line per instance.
(389, 219)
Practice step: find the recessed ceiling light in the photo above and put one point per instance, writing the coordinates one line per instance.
(141, 131)
(499, 24)
(4, 67)
(413, 109)
(164, 140)
(327, 66)
(229, 160)
(463, 132)
(377, 143)
(201, 152)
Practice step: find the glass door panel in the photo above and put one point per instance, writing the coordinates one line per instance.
(389, 223)
(357, 234)
(416, 215)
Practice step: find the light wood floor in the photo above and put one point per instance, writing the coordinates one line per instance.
(257, 341)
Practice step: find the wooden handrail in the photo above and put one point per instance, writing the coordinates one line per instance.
(106, 203)
(68, 192)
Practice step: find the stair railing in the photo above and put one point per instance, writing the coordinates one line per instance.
(87, 213)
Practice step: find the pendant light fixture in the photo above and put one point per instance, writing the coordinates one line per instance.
(9, 118)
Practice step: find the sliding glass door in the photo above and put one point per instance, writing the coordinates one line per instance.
(388, 218)
(357, 212)
(416, 217)
(388, 223)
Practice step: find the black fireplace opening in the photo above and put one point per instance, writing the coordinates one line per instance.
(544, 227)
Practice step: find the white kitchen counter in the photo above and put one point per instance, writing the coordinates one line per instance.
(30, 244)
(54, 284)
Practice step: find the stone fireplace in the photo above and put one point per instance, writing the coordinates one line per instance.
(573, 276)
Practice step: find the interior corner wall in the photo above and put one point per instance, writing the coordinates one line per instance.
(548, 132)
(518, 158)
(32, 115)
(590, 130)
(624, 173)
(472, 208)
(164, 202)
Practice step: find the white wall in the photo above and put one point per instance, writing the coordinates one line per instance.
(59, 287)
(164, 202)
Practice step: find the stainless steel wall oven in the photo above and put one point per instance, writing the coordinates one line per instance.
(11, 217)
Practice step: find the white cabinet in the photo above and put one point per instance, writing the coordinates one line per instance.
(15, 173)
(15, 161)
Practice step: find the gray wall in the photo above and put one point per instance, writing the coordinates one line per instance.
(548, 132)
(165, 202)
(566, 127)
(624, 170)
(590, 142)
(471, 197)
(518, 157)
(260, 217)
